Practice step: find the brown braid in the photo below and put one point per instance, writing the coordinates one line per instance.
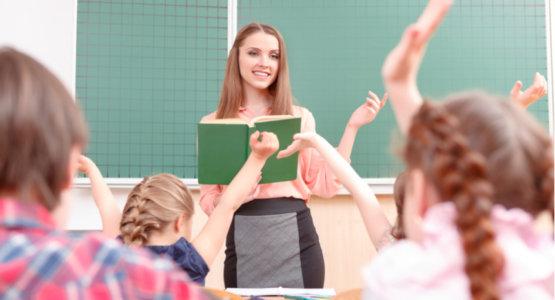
(437, 147)
(152, 205)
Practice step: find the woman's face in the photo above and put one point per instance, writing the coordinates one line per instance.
(259, 60)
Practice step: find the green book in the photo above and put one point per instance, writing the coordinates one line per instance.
(223, 148)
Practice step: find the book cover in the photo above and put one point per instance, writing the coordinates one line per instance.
(223, 147)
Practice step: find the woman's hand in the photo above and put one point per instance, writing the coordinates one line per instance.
(367, 112)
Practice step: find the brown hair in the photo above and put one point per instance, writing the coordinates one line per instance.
(152, 205)
(476, 150)
(39, 125)
(232, 95)
(399, 189)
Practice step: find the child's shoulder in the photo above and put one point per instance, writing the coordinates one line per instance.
(405, 269)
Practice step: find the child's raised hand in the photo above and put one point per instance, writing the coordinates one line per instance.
(300, 141)
(265, 146)
(537, 90)
(402, 63)
(86, 165)
(368, 111)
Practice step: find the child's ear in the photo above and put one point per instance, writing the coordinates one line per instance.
(72, 167)
(183, 226)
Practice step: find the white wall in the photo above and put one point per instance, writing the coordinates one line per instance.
(45, 29)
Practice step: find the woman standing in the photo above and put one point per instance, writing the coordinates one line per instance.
(272, 241)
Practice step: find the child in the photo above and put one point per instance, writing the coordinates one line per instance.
(256, 83)
(465, 156)
(537, 90)
(158, 213)
(42, 134)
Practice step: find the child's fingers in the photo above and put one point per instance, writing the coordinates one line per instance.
(373, 96)
(290, 150)
(272, 140)
(431, 18)
(254, 137)
(373, 110)
(408, 42)
(373, 104)
(384, 99)
(515, 91)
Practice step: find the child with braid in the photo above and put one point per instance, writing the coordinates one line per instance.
(158, 213)
(536, 91)
(480, 170)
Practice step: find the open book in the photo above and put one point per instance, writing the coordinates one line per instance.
(301, 293)
(223, 148)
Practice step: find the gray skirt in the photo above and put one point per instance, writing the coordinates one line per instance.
(272, 243)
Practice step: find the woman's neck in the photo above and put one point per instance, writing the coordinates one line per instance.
(256, 99)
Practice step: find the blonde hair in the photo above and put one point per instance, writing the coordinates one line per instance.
(152, 205)
(232, 96)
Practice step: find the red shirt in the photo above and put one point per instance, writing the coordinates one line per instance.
(37, 261)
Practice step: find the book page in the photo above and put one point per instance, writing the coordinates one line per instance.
(271, 118)
(279, 291)
(225, 121)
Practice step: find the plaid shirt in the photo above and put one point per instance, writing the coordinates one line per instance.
(37, 261)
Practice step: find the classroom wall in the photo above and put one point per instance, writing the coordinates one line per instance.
(46, 29)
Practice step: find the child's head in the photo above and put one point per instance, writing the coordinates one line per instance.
(399, 189)
(475, 150)
(41, 131)
(159, 205)
(257, 47)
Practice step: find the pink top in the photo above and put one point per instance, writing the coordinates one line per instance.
(313, 174)
(433, 269)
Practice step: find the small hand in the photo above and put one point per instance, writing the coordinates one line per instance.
(367, 112)
(537, 90)
(266, 146)
(403, 62)
(300, 141)
(86, 164)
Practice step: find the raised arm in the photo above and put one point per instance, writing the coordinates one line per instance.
(213, 234)
(401, 66)
(110, 213)
(536, 91)
(374, 219)
(363, 115)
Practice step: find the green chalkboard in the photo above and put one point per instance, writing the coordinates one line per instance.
(147, 71)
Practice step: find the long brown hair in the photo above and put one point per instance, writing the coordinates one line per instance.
(476, 151)
(39, 125)
(232, 95)
(152, 205)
